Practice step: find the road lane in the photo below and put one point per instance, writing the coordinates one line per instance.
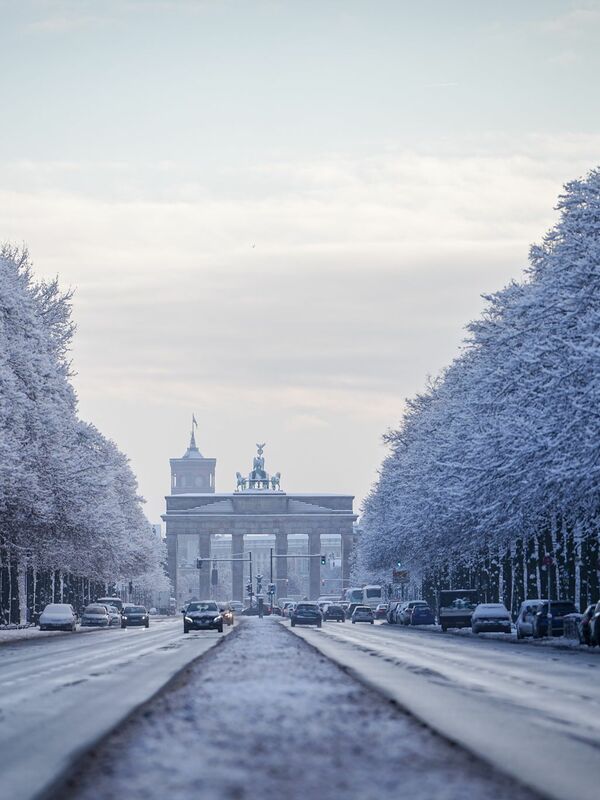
(267, 717)
(530, 711)
(59, 695)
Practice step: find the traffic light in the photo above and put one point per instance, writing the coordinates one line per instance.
(323, 560)
(198, 563)
(249, 588)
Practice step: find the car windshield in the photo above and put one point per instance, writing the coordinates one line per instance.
(95, 610)
(136, 610)
(307, 607)
(458, 599)
(363, 609)
(334, 608)
(202, 607)
(55, 608)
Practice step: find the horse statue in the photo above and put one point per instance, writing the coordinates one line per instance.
(241, 481)
(275, 479)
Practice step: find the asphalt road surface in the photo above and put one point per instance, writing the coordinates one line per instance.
(266, 716)
(532, 711)
(59, 693)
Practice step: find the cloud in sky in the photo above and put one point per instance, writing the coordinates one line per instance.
(388, 168)
(364, 271)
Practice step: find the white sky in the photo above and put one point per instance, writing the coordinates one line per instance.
(389, 161)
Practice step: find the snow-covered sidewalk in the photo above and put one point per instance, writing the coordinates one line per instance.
(265, 716)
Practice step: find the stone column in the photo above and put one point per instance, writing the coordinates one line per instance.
(204, 572)
(237, 567)
(172, 561)
(347, 545)
(314, 565)
(281, 571)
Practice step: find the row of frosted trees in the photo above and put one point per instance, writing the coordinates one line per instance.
(494, 470)
(71, 520)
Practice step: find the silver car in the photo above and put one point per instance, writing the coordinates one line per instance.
(58, 617)
(363, 614)
(95, 616)
(527, 612)
(114, 615)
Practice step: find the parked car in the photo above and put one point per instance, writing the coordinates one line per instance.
(381, 610)
(398, 612)
(95, 616)
(58, 617)
(305, 613)
(490, 617)
(236, 606)
(202, 615)
(390, 614)
(595, 626)
(227, 613)
(455, 607)
(407, 610)
(363, 614)
(526, 617)
(558, 609)
(422, 615)
(334, 612)
(114, 615)
(585, 625)
(135, 615)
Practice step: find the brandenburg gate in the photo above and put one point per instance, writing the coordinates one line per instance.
(196, 512)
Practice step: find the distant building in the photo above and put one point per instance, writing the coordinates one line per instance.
(224, 529)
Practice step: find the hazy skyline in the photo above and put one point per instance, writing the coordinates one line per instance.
(280, 215)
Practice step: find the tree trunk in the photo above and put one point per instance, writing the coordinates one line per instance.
(22, 588)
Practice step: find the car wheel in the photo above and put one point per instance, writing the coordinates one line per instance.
(220, 629)
(372, 623)
(354, 622)
(186, 629)
(293, 624)
(123, 625)
(147, 625)
(42, 628)
(444, 628)
(73, 628)
(319, 624)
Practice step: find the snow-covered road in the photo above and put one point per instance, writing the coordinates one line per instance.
(59, 694)
(534, 712)
(264, 716)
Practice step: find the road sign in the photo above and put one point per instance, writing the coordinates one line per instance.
(400, 576)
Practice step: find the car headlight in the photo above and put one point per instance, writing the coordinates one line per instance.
(217, 618)
(189, 619)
